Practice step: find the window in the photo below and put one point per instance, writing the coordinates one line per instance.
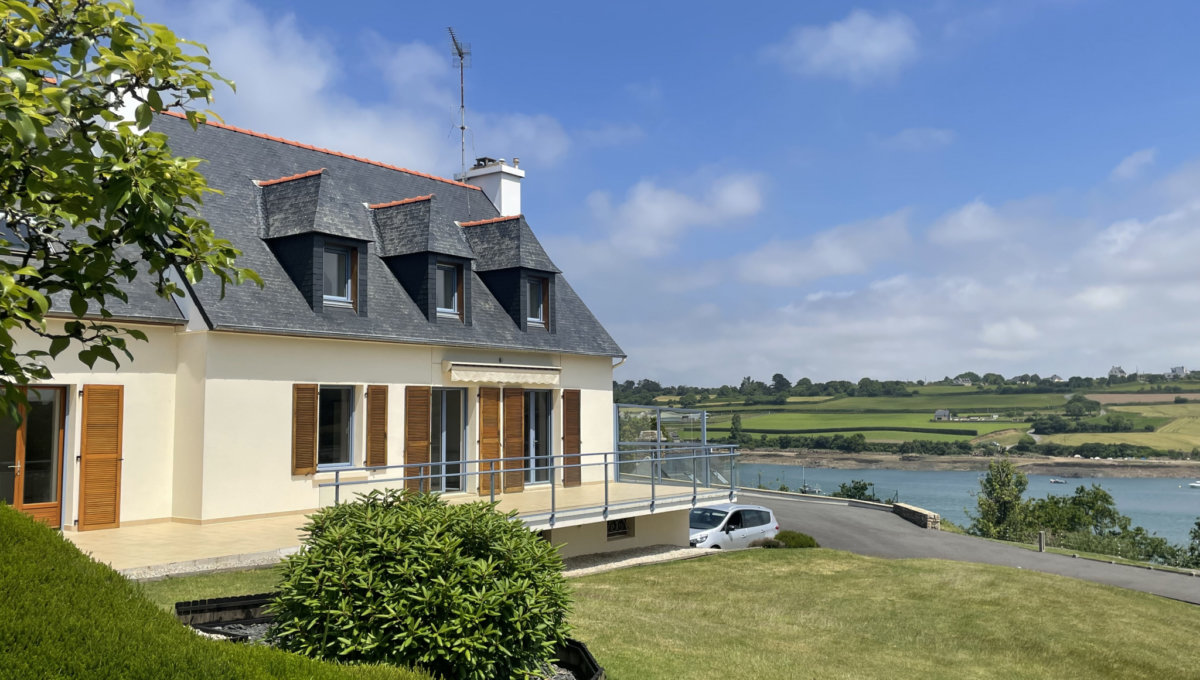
(536, 290)
(620, 528)
(537, 436)
(446, 439)
(449, 290)
(335, 418)
(337, 284)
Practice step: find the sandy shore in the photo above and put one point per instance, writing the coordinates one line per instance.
(1037, 465)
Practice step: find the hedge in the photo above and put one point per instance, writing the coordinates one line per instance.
(66, 616)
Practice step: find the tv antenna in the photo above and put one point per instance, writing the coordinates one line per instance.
(462, 58)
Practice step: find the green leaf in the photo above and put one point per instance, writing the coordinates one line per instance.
(144, 115)
(78, 305)
(58, 344)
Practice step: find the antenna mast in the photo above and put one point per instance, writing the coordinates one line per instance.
(462, 57)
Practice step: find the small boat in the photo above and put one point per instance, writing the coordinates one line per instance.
(1195, 485)
(1054, 480)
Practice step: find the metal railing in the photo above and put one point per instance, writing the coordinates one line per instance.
(671, 473)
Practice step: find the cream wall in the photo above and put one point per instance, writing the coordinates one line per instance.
(148, 421)
(247, 407)
(667, 528)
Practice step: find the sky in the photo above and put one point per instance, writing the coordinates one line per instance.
(900, 190)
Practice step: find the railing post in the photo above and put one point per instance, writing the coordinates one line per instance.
(606, 483)
(694, 458)
(337, 487)
(654, 463)
(732, 474)
(553, 500)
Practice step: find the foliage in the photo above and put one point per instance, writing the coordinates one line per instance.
(395, 577)
(1001, 510)
(765, 543)
(795, 539)
(66, 616)
(857, 489)
(92, 200)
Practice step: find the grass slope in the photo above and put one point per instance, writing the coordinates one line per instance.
(768, 614)
(65, 616)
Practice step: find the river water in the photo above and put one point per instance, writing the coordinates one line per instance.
(1164, 506)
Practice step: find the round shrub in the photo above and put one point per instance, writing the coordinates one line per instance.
(795, 539)
(403, 578)
(765, 543)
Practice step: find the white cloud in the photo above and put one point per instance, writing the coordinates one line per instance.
(1011, 331)
(842, 250)
(919, 139)
(652, 219)
(974, 222)
(861, 48)
(292, 83)
(1133, 165)
(1102, 297)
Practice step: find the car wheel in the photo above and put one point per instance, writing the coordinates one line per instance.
(716, 547)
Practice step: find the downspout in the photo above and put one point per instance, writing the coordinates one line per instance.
(618, 364)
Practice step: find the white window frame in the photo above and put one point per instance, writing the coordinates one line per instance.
(457, 309)
(540, 300)
(337, 300)
(353, 391)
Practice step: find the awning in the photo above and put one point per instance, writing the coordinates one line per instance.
(501, 374)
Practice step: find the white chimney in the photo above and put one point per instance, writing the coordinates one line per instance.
(500, 183)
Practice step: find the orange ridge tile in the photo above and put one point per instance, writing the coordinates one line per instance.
(494, 219)
(269, 182)
(415, 199)
(310, 147)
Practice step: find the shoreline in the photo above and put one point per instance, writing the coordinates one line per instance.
(1036, 465)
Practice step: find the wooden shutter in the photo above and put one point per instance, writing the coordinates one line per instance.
(304, 429)
(514, 439)
(571, 438)
(489, 438)
(100, 457)
(416, 434)
(377, 418)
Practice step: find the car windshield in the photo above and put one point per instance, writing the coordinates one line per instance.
(705, 518)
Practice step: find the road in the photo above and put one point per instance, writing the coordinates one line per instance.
(882, 534)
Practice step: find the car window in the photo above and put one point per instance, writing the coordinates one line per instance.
(705, 518)
(735, 520)
(762, 517)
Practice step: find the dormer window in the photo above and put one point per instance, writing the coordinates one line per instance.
(449, 290)
(338, 276)
(537, 291)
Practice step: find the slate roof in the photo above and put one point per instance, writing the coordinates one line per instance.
(505, 243)
(336, 201)
(417, 225)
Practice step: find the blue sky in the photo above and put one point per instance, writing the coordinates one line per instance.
(899, 190)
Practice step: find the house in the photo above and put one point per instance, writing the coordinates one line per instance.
(941, 414)
(1056, 378)
(411, 331)
(1116, 372)
(965, 382)
(1177, 373)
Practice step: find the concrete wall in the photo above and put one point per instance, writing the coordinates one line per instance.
(667, 528)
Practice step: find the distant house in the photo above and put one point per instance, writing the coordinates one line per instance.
(1056, 378)
(941, 414)
(1116, 372)
(1177, 373)
(965, 382)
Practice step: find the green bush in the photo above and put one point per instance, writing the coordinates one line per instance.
(66, 616)
(395, 577)
(795, 539)
(765, 543)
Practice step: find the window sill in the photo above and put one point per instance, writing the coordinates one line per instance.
(337, 302)
(446, 314)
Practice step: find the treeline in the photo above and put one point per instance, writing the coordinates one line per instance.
(776, 391)
(1113, 422)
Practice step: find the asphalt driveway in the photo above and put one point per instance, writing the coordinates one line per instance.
(883, 534)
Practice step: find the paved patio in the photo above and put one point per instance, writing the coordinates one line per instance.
(166, 548)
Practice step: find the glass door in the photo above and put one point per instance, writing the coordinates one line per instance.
(446, 436)
(31, 455)
(537, 436)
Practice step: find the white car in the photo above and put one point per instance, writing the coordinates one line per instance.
(730, 525)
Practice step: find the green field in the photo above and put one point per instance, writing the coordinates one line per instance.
(810, 421)
(1185, 385)
(1178, 428)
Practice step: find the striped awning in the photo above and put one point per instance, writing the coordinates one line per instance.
(501, 374)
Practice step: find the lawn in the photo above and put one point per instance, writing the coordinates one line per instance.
(1004, 438)
(826, 614)
(1181, 431)
(980, 401)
